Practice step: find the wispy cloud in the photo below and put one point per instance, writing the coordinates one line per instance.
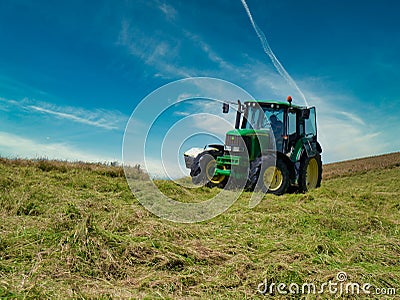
(184, 96)
(353, 117)
(212, 123)
(210, 53)
(102, 123)
(153, 51)
(182, 113)
(163, 52)
(16, 146)
(100, 118)
(168, 10)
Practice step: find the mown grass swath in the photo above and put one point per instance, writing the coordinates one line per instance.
(74, 230)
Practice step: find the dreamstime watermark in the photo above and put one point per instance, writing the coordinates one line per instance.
(338, 288)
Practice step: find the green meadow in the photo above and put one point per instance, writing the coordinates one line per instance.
(74, 230)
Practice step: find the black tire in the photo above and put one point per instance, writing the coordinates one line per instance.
(203, 168)
(269, 176)
(254, 172)
(310, 173)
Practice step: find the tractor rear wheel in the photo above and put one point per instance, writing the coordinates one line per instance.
(270, 176)
(203, 169)
(310, 174)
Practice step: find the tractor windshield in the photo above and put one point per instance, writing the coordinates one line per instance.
(257, 117)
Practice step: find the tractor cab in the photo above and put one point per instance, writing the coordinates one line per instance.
(289, 123)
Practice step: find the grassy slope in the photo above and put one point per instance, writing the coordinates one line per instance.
(73, 230)
(361, 165)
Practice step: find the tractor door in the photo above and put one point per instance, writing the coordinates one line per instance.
(310, 125)
(310, 132)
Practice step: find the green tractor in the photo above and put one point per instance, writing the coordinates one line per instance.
(273, 148)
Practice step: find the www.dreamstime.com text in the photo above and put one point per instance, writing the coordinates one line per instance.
(338, 288)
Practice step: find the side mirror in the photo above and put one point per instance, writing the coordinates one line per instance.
(225, 108)
(305, 114)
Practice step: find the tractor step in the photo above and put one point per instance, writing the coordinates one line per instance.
(228, 160)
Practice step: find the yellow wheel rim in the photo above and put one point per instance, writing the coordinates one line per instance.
(273, 178)
(312, 174)
(210, 170)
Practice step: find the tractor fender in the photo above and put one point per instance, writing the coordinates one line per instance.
(192, 153)
(304, 154)
(309, 149)
(319, 148)
(195, 165)
(215, 146)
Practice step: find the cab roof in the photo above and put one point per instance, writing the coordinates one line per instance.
(280, 103)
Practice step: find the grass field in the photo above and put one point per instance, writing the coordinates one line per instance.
(75, 231)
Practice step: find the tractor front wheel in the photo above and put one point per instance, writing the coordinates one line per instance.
(203, 170)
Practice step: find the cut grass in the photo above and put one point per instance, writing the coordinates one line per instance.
(76, 231)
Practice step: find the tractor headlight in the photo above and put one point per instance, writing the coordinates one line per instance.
(236, 149)
(228, 148)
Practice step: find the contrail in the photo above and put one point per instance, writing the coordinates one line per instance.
(267, 49)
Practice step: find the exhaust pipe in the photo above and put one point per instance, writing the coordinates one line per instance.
(238, 114)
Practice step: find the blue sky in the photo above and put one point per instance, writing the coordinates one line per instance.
(72, 72)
